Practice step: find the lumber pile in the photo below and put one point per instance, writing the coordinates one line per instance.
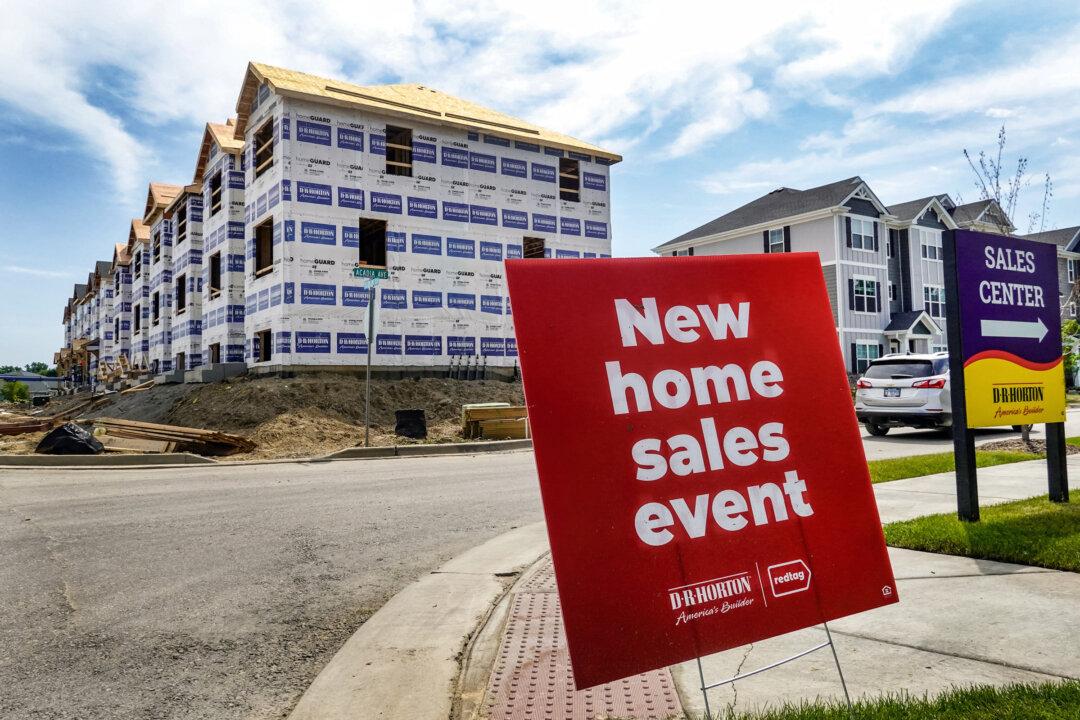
(28, 424)
(173, 438)
(495, 421)
(138, 388)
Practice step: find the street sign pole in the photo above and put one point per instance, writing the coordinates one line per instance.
(367, 371)
(967, 486)
(1057, 471)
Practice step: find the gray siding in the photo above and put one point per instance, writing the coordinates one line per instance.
(829, 271)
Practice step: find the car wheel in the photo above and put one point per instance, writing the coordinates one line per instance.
(877, 430)
(1017, 428)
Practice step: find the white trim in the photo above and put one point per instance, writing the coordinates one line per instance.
(751, 229)
(852, 263)
(872, 198)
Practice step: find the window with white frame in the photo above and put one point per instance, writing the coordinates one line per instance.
(931, 245)
(939, 348)
(776, 240)
(1071, 264)
(862, 234)
(865, 295)
(865, 352)
(934, 300)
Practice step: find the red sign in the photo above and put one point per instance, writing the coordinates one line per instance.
(700, 464)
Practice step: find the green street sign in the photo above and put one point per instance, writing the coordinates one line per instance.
(375, 273)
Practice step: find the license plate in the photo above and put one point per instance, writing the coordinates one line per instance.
(892, 392)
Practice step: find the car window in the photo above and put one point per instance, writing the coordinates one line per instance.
(884, 369)
(941, 366)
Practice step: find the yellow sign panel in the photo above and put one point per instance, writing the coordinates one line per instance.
(1003, 389)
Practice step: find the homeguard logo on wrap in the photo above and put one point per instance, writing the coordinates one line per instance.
(312, 342)
(460, 247)
(318, 233)
(348, 197)
(452, 157)
(386, 202)
(318, 294)
(423, 207)
(422, 299)
(315, 193)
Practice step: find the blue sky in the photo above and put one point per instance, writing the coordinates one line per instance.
(711, 106)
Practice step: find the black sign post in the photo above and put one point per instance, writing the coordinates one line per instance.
(967, 485)
(1057, 471)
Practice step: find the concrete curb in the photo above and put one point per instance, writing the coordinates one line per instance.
(404, 661)
(166, 460)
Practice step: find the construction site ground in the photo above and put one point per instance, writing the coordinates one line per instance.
(302, 416)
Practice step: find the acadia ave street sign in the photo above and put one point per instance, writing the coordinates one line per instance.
(1010, 330)
(700, 464)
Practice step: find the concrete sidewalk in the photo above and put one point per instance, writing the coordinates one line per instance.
(960, 622)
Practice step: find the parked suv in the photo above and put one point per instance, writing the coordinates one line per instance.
(904, 391)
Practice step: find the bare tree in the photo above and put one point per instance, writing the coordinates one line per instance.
(995, 182)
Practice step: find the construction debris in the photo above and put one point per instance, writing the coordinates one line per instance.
(19, 424)
(178, 439)
(138, 388)
(495, 421)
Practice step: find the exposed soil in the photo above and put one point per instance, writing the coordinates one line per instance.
(304, 416)
(1037, 447)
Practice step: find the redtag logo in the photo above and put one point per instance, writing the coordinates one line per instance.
(789, 578)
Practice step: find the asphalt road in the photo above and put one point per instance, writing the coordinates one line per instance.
(220, 592)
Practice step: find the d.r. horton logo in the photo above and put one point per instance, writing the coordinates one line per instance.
(710, 597)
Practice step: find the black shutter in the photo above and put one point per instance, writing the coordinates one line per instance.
(875, 237)
(765, 241)
(877, 295)
(847, 225)
(880, 350)
(787, 238)
(851, 294)
(690, 250)
(854, 358)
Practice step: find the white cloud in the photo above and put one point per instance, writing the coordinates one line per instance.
(39, 272)
(618, 70)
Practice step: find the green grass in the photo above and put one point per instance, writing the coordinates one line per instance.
(1030, 532)
(917, 465)
(1048, 701)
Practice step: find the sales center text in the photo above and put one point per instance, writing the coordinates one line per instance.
(708, 449)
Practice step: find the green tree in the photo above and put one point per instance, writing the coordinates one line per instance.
(15, 392)
(5, 369)
(1070, 345)
(41, 369)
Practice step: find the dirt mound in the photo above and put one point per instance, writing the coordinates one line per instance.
(243, 404)
(1017, 445)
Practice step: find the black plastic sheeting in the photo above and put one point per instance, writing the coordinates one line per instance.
(410, 424)
(69, 439)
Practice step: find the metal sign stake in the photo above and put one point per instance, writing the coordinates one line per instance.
(367, 370)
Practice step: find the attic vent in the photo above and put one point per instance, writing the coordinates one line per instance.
(383, 101)
(490, 123)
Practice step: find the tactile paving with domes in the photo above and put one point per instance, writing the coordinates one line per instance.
(532, 678)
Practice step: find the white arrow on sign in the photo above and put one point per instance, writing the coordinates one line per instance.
(1014, 329)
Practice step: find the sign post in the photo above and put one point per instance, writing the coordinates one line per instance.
(700, 464)
(373, 276)
(1005, 365)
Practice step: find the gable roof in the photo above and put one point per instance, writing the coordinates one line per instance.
(121, 256)
(981, 211)
(1064, 238)
(139, 232)
(192, 189)
(103, 267)
(225, 137)
(780, 203)
(904, 321)
(912, 210)
(158, 197)
(414, 101)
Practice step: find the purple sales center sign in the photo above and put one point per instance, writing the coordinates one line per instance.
(1010, 330)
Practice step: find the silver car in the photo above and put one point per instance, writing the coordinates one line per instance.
(904, 391)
